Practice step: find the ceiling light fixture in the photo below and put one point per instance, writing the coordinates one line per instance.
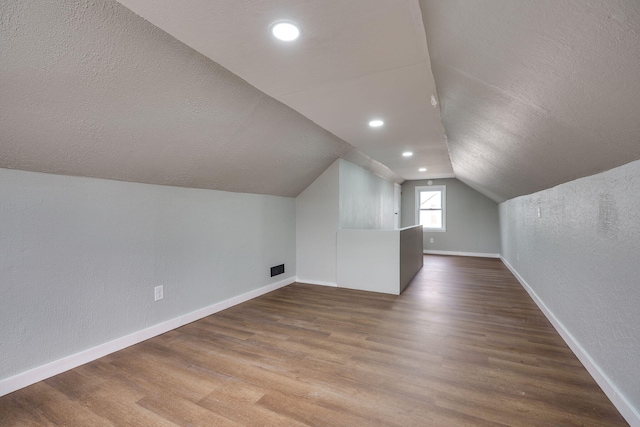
(422, 170)
(407, 154)
(285, 31)
(376, 123)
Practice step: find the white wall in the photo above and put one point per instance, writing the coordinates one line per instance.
(369, 260)
(379, 260)
(581, 258)
(366, 200)
(344, 196)
(317, 221)
(79, 258)
(473, 225)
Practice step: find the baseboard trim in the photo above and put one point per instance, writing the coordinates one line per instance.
(317, 282)
(472, 254)
(56, 367)
(613, 393)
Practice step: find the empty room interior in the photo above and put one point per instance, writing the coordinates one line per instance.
(320, 213)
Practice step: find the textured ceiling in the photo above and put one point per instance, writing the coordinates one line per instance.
(532, 94)
(356, 60)
(536, 93)
(89, 88)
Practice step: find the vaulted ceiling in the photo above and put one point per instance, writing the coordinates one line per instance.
(356, 60)
(536, 93)
(197, 94)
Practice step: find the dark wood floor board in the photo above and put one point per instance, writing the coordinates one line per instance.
(464, 345)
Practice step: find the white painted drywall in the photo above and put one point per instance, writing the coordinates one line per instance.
(472, 219)
(366, 200)
(369, 260)
(581, 257)
(317, 221)
(344, 196)
(379, 260)
(79, 258)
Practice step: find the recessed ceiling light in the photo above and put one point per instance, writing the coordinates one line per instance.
(285, 31)
(422, 170)
(376, 123)
(407, 154)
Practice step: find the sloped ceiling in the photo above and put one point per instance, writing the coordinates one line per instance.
(356, 60)
(536, 93)
(532, 93)
(89, 88)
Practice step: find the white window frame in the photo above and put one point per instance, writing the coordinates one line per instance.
(443, 190)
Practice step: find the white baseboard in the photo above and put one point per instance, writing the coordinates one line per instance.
(317, 282)
(56, 367)
(473, 254)
(617, 398)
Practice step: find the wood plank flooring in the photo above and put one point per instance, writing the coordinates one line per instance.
(464, 345)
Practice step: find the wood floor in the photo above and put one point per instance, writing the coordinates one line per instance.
(463, 346)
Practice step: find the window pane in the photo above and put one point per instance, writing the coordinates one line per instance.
(430, 200)
(431, 219)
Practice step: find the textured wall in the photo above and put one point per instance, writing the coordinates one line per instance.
(80, 257)
(366, 200)
(581, 256)
(472, 219)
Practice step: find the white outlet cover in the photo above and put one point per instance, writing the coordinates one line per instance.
(158, 293)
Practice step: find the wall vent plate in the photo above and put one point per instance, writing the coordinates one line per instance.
(278, 269)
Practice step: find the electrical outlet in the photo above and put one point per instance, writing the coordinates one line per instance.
(431, 240)
(158, 293)
(539, 213)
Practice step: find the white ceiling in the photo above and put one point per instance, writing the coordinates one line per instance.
(356, 60)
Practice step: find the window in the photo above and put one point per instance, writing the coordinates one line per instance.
(431, 207)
